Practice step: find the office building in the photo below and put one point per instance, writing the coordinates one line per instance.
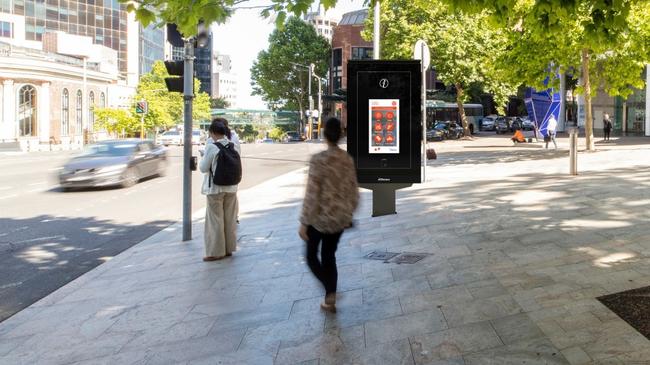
(322, 22)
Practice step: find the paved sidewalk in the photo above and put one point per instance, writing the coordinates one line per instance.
(517, 252)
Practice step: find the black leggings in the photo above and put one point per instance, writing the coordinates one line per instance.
(325, 269)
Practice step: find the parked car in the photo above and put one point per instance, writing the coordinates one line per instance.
(437, 133)
(488, 123)
(265, 140)
(198, 136)
(170, 138)
(118, 162)
(502, 126)
(527, 124)
(455, 130)
(292, 137)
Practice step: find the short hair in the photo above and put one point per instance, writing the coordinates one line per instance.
(332, 130)
(220, 126)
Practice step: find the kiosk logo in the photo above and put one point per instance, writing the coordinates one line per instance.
(383, 83)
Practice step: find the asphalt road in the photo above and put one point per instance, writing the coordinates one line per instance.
(49, 237)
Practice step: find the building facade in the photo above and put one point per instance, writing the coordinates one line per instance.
(47, 99)
(203, 66)
(347, 44)
(103, 21)
(151, 44)
(224, 85)
(323, 23)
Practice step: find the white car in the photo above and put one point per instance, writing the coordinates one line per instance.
(170, 138)
(198, 137)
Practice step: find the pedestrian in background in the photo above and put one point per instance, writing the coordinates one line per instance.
(551, 129)
(331, 198)
(220, 237)
(607, 127)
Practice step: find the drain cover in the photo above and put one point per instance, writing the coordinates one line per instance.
(379, 255)
(408, 258)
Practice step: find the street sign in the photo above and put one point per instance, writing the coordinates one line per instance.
(421, 52)
(141, 107)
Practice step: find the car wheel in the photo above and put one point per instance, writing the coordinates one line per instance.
(130, 177)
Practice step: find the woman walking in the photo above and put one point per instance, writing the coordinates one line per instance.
(331, 197)
(222, 205)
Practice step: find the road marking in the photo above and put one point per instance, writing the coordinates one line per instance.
(38, 183)
(8, 196)
(35, 190)
(55, 169)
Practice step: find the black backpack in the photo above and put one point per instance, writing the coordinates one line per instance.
(228, 166)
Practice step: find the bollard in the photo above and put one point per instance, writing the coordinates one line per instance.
(573, 151)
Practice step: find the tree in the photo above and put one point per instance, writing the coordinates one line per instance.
(219, 103)
(187, 14)
(603, 42)
(275, 75)
(464, 48)
(166, 108)
(116, 121)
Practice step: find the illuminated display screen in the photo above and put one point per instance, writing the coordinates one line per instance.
(383, 119)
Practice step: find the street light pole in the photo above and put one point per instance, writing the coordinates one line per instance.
(188, 95)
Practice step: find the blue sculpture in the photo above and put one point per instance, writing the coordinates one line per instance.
(540, 106)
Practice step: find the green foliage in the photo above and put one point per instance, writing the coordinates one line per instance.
(276, 133)
(276, 78)
(247, 132)
(116, 121)
(465, 49)
(219, 103)
(187, 13)
(166, 108)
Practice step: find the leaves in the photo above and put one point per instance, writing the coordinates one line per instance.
(277, 76)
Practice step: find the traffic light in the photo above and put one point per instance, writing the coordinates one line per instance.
(141, 107)
(202, 35)
(175, 69)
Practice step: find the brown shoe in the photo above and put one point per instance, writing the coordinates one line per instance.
(229, 254)
(212, 258)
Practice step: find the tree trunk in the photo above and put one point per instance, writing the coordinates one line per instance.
(461, 110)
(302, 115)
(589, 122)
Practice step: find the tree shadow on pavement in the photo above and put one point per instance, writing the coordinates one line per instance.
(496, 156)
(34, 262)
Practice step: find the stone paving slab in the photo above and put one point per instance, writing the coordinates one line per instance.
(517, 252)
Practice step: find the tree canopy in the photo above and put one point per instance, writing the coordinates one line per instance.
(186, 14)
(464, 49)
(280, 75)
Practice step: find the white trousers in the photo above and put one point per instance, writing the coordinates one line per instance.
(221, 224)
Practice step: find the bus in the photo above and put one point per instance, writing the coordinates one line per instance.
(440, 111)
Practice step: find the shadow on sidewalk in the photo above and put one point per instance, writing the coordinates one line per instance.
(34, 262)
(503, 155)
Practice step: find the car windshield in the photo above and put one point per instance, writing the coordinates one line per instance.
(440, 126)
(171, 133)
(196, 133)
(109, 149)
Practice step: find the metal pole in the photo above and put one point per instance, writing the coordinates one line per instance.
(320, 105)
(561, 123)
(83, 97)
(375, 35)
(424, 116)
(188, 95)
(573, 151)
(142, 126)
(311, 104)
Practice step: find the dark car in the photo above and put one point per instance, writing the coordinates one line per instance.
(515, 123)
(527, 124)
(118, 162)
(502, 126)
(439, 132)
(456, 131)
(292, 137)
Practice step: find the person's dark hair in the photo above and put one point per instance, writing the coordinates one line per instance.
(332, 130)
(220, 126)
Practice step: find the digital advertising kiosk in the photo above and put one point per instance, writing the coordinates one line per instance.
(384, 127)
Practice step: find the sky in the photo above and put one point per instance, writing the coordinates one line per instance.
(246, 34)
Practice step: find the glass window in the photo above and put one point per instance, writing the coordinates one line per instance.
(6, 29)
(79, 110)
(65, 112)
(102, 100)
(361, 53)
(337, 57)
(27, 110)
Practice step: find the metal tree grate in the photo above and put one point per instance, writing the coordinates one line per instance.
(382, 256)
(408, 258)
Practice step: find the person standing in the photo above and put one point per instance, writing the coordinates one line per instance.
(551, 130)
(331, 197)
(607, 127)
(220, 236)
